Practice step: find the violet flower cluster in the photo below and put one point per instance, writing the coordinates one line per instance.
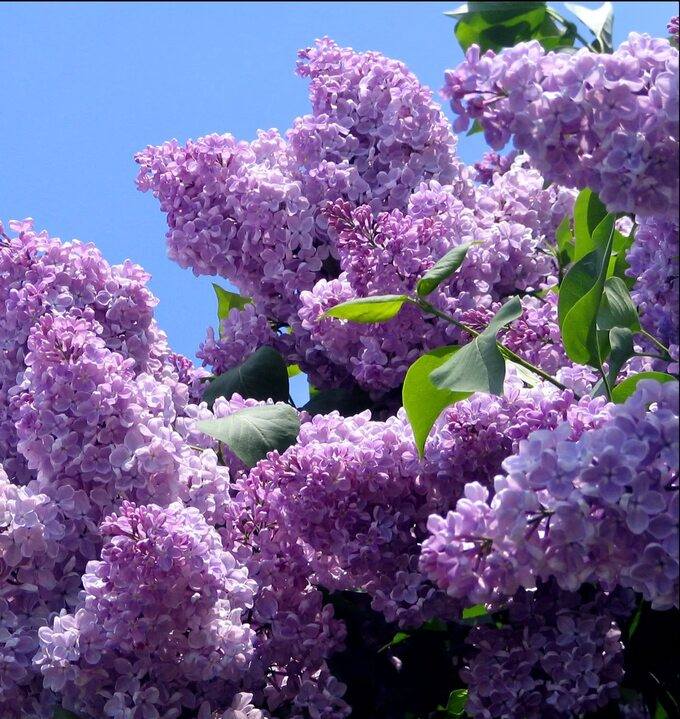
(601, 509)
(607, 122)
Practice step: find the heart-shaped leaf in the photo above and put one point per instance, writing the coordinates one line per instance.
(227, 301)
(261, 376)
(589, 211)
(253, 432)
(479, 366)
(423, 401)
(442, 270)
(617, 308)
(620, 349)
(367, 310)
(623, 391)
(346, 401)
(600, 21)
(580, 297)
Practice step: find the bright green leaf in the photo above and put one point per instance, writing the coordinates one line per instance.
(293, 370)
(493, 28)
(423, 401)
(589, 211)
(479, 366)
(623, 391)
(261, 376)
(457, 702)
(367, 310)
(442, 270)
(580, 297)
(617, 308)
(253, 432)
(478, 610)
(227, 301)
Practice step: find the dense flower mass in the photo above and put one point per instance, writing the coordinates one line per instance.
(558, 656)
(602, 508)
(608, 122)
(150, 571)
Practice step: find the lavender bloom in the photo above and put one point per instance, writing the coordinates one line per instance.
(608, 122)
(602, 508)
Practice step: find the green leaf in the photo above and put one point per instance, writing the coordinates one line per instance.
(253, 432)
(617, 308)
(227, 301)
(397, 639)
(565, 239)
(442, 270)
(475, 128)
(620, 349)
(580, 296)
(494, 26)
(457, 702)
(589, 211)
(346, 401)
(423, 401)
(623, 391)
(261, 376)
(599, 21)
(478, 610)
(500, 8)
(60, 713)
(293, 370)
(479, 366)
(367, 310)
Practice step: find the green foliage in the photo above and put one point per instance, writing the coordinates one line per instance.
(478, 610)
(60, 713)
(589, 211)
(227, 301)
(293, 370)
(620, 343)
(261, 376)
(479, 366)
(423, 401)
(617, 308)
(495, 25)
(600, 21)
(367, 310)
(580, 297)
(455, 707)
(346, 401)
(442, 270)
(625, 389)
(253, 432)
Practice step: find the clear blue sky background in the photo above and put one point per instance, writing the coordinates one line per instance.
(84, 86)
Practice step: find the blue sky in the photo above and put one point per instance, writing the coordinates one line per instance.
(86, 85)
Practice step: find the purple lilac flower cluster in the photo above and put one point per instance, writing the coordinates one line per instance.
(360, 197)
(602, 508)
(607, 122)
(99, 434)
(557, 656)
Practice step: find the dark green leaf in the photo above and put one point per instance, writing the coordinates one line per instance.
(623, 391)
(227, 301)
(367, 310)
(479, 366)
(599, 21)
(442, 270)
(262, 376)
(617, 308)
(500, 9)
(564, 237)
(580, 297)
(253, 432)
(397, 639)
(423, 401)
(346, 401)
(60, 713)
(620, 350)
(589, 211)
(493, 28)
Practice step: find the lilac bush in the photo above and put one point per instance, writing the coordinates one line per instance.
(477, 510)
